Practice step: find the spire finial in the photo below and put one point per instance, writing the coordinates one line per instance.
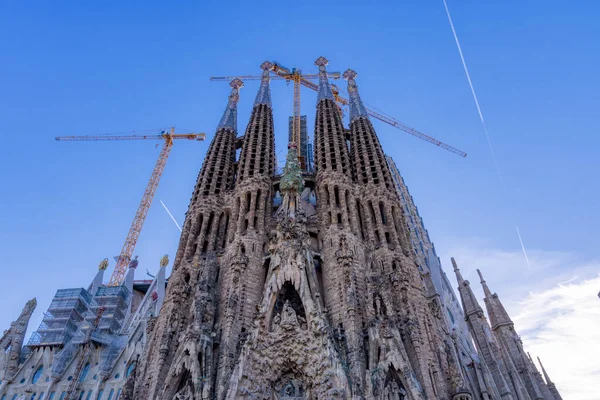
(357, 108)
(324, 86)
(229, 119)
(103, 265)
(164, 261)
(264, 92)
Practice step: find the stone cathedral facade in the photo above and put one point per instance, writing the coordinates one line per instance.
(296, 286)
(315, 299)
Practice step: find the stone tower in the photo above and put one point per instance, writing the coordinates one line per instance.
(11, 343)
(314, 296)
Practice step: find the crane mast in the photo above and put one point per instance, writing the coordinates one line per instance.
(118, 275)
(124, 257)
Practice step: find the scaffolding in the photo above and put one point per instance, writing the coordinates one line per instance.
(63, 318)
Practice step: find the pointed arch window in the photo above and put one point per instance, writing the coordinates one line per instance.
(37, 374)
(84, 373)
(130, 369)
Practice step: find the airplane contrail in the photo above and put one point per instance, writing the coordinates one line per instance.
(489, 141)
(170, 215)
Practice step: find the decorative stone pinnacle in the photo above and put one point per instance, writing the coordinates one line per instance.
(164, 261)
(237, 83)
(321, 62)
(134, 263)
(266, 66)
(103, 265)
(350, 74)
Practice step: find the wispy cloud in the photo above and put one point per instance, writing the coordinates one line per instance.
(554, 305)
(562, 326)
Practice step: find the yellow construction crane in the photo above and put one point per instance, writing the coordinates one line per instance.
(140, 216)
(296, 76)
(299, 79)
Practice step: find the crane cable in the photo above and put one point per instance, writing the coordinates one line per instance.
(487, 135)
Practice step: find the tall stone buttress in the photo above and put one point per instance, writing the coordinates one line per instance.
(182, 341)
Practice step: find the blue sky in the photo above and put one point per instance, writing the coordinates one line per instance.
(78, 68)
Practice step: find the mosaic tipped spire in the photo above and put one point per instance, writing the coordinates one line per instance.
(324, 86)
(229, 118)
(264, 92)
(357, 108)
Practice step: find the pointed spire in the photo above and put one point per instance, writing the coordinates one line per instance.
(459, 277)
(264, 92)
(131, 274)
(495, 308)
(551, 386)
(229, 119)
(324, 86)
(546, 377)
(97, 282)
(357, 108)
(469, 301)
(486, 289)
(15, 336)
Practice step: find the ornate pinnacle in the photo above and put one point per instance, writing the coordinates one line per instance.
(266, 66)
(264, 92)
(103, 265)
(229, 118)
(350, 74)
(237, 83)
(321, 62)
(357, 108)
(324, 87)
(164, 261)
(134, 263)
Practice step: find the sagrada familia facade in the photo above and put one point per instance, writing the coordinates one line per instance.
(292, 286)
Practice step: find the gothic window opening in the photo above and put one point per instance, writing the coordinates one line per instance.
(288, 310)
(84, 373)
(336, 193)
(37, 374)
(257, 202)
(248, 199)
(360, 219)
(382, 212)
(185, 388)
(372, 211)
